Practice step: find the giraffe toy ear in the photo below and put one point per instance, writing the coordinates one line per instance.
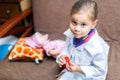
(21, 51)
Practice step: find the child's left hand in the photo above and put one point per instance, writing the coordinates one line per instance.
(73, 67)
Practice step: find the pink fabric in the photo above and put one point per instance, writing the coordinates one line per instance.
(54, 45)
(37, 40)
(89, 37)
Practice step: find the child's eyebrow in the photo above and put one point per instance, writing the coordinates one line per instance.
(73, 19)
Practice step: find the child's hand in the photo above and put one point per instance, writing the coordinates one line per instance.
(61, 61)
(67, 60)
(73, 67)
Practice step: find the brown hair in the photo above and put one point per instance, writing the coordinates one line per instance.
(87, 6)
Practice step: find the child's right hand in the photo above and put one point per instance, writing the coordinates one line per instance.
(61, 61)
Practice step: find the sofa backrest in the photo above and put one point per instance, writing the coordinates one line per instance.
(52, 17)
(109, 19)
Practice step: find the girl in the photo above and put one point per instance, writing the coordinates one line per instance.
(87, 51)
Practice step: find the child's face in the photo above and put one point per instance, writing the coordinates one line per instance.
(81, 24)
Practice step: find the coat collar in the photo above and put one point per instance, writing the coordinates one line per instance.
(93, 46)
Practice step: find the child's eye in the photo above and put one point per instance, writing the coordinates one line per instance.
(84, 24)
(74, 22)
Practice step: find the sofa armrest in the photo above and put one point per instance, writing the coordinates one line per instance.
(9, 24)
(28, 32)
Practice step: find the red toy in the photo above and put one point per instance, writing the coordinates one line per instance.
(67, 59)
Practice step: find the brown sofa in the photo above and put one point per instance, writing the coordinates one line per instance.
(52, 17)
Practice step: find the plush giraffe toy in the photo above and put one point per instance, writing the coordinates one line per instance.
(21, 51)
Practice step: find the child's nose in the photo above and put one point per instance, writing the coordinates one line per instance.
(77, 28)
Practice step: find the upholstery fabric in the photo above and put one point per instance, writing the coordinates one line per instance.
(109, 29)
(52, 17)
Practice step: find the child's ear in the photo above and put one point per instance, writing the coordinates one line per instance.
(95, 23)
